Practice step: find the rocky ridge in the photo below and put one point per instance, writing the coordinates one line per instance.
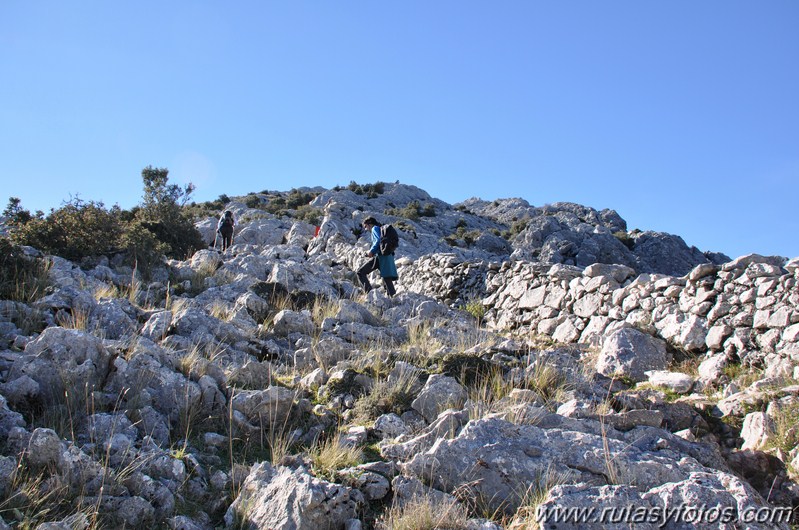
(555, 368)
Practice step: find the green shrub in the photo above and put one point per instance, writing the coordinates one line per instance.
(412, 211)
(370, 190)
(79, 229)
(295, 204)
(428, 211)
(252, 201)
(14, 213)
(309, 214)
(476, 309)
(142, 247)
(517, 227)
(161, 213)
(74, 231)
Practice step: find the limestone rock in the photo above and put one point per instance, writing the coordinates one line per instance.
(632, 353)
(439, 393)
(279, 497)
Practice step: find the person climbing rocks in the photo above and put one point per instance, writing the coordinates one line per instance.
(225, 229)
(378, 260)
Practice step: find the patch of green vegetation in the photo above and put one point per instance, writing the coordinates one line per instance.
(786, 427)
(294, 204)
(517, 227)
(476, 309)
(158, 226)
(413, 211)
(370, 190)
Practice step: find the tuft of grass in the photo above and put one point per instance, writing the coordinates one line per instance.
(786, 427)
(536, 494)
(279, 302)
(198, 277)
(548, 383)
(221, 311)
(611, 467)
(387, 395)
(106, 291)
(194, 364)
(133, 289)
(33, 498)
(323, 308)
(424, 513)
(421, 342)
(77, 318)
(280, 443)
(22, 279)
(488, 390)
(331, 455)
(176, 304)
(669, 395)
(741, 375)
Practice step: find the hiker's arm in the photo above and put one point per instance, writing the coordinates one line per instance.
(375, 241)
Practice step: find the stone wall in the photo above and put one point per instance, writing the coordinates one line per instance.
(747, 308)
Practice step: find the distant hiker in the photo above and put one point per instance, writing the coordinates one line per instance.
(381, 256)
(225, 229)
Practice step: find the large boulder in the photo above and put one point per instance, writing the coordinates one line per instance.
(702, 500)
(497, 461)
(283, 498)
(441, 392)
(631, 353)
(666, 254)
(61, 359)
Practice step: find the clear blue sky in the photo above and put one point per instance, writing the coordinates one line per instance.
(683, 116)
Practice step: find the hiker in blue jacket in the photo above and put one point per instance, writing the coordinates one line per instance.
(377, 261)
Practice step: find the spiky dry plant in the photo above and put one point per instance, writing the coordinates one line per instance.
(393, 394)
(331, 455)
(76, 318)
(194, 363)
(25, 281)
(487, 391)
(548, 383)
(424, 513)
(106, 291)
(527, 515)
(323, 308)
(221, 310)
(133, 289)
(421, 341)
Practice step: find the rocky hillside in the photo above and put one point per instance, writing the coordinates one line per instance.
(540, 367)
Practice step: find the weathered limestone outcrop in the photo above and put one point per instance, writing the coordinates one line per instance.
(285, 498)
(544, 363)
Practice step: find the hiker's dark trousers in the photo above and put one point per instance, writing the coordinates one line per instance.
(370, 266)
(227, 237)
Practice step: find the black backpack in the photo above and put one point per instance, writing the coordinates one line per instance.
(389, 239)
